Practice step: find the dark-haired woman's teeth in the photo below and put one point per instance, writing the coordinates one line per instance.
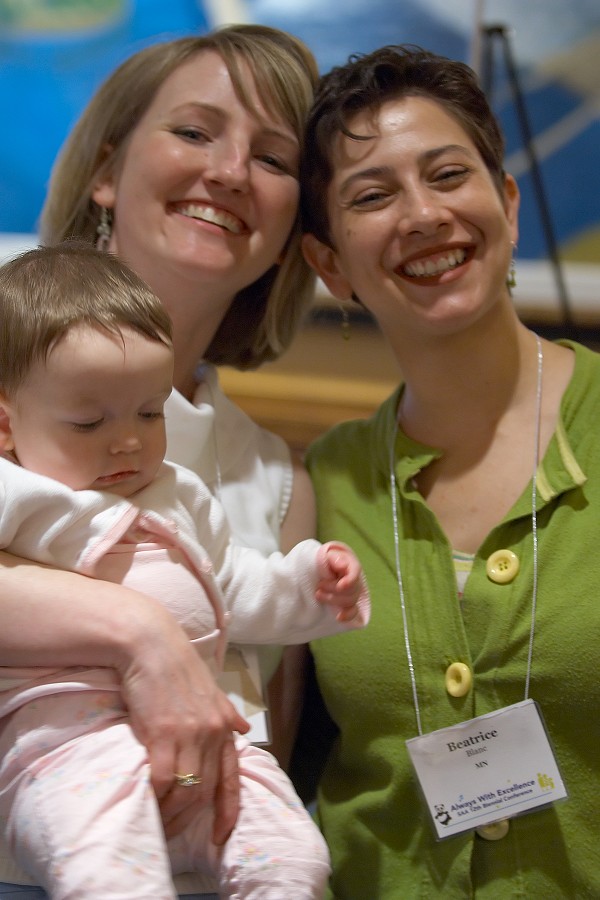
(429, 267)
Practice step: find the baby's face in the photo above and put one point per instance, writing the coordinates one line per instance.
(91, 415)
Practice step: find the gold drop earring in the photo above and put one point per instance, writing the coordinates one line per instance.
(345, 322)
(511, 279)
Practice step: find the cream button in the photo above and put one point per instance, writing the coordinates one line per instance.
(495, 831)
(502, 566)
(458, 679)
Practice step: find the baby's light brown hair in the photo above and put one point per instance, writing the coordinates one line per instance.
(46, 292)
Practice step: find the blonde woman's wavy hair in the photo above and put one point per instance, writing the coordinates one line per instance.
(264, 316)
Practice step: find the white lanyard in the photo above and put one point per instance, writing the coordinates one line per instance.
(534, 534)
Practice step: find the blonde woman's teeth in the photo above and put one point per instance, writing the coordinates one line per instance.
(212, 215)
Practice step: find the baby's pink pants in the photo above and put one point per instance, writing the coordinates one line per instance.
(82, 819)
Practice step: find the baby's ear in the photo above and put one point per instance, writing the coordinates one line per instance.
(6, 437)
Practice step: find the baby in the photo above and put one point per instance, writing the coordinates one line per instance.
(87, 367)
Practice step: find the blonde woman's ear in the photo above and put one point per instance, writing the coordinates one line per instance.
(104, 194)
(323, 259)
(104, 189)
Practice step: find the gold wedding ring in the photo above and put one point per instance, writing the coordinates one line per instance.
(187, 780)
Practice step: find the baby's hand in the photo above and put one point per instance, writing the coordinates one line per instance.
(342, 583)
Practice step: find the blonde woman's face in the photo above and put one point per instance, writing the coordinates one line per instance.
(207, 190)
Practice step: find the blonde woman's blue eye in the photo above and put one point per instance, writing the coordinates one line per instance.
(190, 134)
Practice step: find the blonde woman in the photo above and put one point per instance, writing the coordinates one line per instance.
(185, 164)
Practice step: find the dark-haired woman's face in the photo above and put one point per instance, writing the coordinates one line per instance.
(420, 232)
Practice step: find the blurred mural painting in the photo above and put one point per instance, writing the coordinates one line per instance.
(54, 53)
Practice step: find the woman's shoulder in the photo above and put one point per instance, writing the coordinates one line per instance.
(248, 468)
(254, 472)
(587, 358)
(214, 437)
(237, 431)
(584, 385)
(356, 439)
(356, 449)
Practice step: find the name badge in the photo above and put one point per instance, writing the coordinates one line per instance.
(493, 767)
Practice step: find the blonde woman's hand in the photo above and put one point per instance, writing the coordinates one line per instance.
(187, 725)
(176, 709)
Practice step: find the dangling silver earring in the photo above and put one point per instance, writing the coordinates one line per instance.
(104, 229)
(345, 322)
(511, 279)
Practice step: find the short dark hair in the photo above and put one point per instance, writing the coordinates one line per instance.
(367, 81)
(46, 292)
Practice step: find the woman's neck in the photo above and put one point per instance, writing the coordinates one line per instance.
(196, 315)
(461, 383)
(191, 341)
